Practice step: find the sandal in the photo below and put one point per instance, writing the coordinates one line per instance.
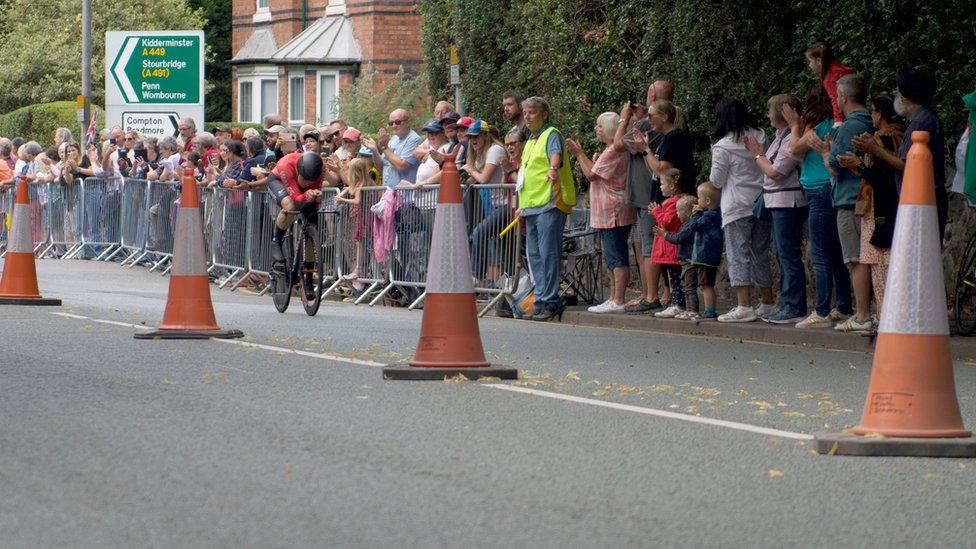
(643, 306)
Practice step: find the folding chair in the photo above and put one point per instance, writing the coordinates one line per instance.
(582, 258)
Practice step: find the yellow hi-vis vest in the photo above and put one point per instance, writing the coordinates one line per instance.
(536, 190)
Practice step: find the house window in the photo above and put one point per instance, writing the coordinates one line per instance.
(327, 95)
(269, 97)
(244, 102)
(263, 13)
(296, 99)
(262, 4)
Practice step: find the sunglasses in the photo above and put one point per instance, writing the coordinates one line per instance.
(333, 135)
(396, 122)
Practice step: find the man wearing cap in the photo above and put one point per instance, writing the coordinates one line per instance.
(395, 153)
(271, 136)
(310, 141)
(913, 100)
(429, 173)
(449, 123)
(349, 144)
(221, 133)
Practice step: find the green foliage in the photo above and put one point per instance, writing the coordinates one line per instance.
(590, 56)
(38, 122)
(216, 16)
(365, 105)
(40, 43)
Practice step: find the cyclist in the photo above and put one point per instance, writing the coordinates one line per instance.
(295, 183)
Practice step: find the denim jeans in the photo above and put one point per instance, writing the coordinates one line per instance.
(544, 248)
(788, 236)
(829, 272)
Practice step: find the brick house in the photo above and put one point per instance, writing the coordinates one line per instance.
(292, 57)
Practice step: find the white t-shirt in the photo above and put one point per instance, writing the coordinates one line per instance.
(427, 199)
(172, 163)
(495, 155)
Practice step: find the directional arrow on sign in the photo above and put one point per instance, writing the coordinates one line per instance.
(118, 69)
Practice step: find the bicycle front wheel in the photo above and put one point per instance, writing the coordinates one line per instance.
(310, 272)
(281, 281)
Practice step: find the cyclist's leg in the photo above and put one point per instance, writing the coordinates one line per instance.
(282, 221)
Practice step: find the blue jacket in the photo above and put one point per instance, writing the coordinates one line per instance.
(708, 242)
(685, 240)
(847, 184)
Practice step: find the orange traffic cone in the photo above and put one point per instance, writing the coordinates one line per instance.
(450, 342)
(19, 283)
(189, 312)
(911, 407)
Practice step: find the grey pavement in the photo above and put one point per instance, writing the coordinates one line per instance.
(108, 441)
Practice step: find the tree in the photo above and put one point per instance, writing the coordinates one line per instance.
(216, 16)
(41, 44)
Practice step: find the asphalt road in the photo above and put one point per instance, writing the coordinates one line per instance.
(110, 441)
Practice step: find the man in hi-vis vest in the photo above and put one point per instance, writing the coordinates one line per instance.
(546, 194)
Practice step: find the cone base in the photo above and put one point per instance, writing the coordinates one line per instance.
(847, 444)
(5, 300)
(189, 334)
(414, 373)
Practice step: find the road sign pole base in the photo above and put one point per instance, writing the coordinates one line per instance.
(406, 372)
(190, 334)
(30, 301)
(847, 444)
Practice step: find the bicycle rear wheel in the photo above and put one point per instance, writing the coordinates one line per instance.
(965, 298)
(281, 281)
(310, 277)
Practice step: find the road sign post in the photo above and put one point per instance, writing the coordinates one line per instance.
(152, 79)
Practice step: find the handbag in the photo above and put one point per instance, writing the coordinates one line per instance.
(759, 210)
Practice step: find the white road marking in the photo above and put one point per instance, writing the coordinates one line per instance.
(249, 344)
(654, 412)
(286, 350)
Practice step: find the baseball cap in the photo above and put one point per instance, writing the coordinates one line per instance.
(465, 121)
(277, 128)
(314, 134)
(434, 126)
(352, 134)
(450, 118)
(365, 151)
(221, 128)
(478, 127)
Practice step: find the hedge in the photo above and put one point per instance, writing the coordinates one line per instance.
(590, 56)
(38, 122)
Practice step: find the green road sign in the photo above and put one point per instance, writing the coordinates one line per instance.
(158, 69)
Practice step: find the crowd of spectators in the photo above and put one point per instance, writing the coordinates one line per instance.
(826, 177)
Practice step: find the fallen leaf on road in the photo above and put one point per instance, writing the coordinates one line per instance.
(794, 414)
(773, 473)
(755, 361)
(851, 366)
(833, 450)
(874, 435)
(573, 376)
(287, 472)
(743, 393)
(930, 476)
(455, 379)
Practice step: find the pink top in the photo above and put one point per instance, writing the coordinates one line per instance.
(608, 191)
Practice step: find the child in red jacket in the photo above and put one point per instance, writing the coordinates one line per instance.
(665, 253)
(829, 70)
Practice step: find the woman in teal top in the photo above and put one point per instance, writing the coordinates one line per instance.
(829, 272)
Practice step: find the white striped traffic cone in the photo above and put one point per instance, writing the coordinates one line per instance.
(450, 342)
(911, 407)
(189, 311)
(19, 283)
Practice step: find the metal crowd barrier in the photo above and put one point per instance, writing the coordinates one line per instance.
(228, 231)
(107, 217)
(66, 208)
(6, 210)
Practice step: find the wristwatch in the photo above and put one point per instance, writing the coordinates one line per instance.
(758, 156)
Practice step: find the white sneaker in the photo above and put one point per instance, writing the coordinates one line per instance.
(763, 309)
(739, 314)
(837, 316)
(607, 306)
(687, 315)
(670, 312)
(852, 325)
(815, 321)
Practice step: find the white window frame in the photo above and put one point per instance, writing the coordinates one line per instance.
(262, 14)
(256, 75)
(241, 104)
(319, 115)
(291, 76)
